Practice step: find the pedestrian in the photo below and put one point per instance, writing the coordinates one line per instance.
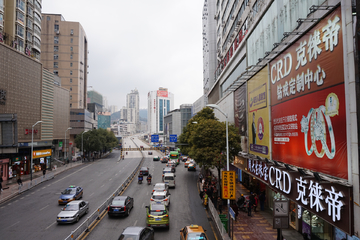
(235, 208)
(219, 204)
(1, 180)
(200, 178)
(251, 204)
(256, 200)
(93, 158)
(44, 172)
(205, 200)
(262, 199)
(19, 181)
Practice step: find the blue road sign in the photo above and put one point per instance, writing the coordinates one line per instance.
(154, 138)
(232, 213)
(173, 138)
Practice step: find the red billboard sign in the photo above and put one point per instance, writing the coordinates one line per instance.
(161, 93)
(308, 101)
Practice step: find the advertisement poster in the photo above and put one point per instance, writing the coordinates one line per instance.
(162, 93)
(308, 108)
(258, 116)
(240, 115)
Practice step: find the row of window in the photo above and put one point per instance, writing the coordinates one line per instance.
(56, 40)
(56, 64)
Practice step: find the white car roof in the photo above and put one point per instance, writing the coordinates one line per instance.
(159, 193)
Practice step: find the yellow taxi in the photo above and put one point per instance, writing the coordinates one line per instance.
(193, 232)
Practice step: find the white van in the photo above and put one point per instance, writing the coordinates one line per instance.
(169, 179)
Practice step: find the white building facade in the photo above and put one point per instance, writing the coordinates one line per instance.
(133, 102)
(160, 102)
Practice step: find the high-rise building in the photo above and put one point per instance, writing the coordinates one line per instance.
(113, 108)
(160, 102)
(133, 102)
(64, 50)
(209, 45)
(95, 97)
(20, 25)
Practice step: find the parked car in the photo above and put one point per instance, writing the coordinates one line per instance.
(157, 215)
(73, 211)
(120, 206)
(193, 232)
(137, 233)
(70, 194)
(144, 170)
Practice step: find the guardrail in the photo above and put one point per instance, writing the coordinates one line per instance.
(95, 216)
(219, 225)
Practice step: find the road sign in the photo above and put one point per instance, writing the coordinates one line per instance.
(154, 138)
(173, 138)
(232, 213)
(228, 185)
(281, 208)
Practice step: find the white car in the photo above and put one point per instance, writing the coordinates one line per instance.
(161, 197)
(160, 187)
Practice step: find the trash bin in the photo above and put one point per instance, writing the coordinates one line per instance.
(222, 216)
(225, 223)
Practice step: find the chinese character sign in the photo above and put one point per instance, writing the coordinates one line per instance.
(258, 116)
(308, 101)
(228, 185)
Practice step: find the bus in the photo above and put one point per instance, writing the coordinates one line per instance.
(174, 155)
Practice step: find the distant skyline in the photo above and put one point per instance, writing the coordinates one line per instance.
(140, 44)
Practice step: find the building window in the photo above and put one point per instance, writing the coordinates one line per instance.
(70, 88)
(71, 40)
(71, 105)
(20, 17)
(19, 30)
(56, 72)
(71, 80)
(28, 36)
(56, 64)
(70, 64)
(72, 31)
(70, 97)
(71, 56)
(70, 72)
(29, 23)
(56, 27)
(20, 4)
(56, 48)
(56, 56)
(56, 40)
(30, 11)
(48, 18)
(71, 49)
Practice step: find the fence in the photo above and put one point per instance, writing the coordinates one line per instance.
(215, 215)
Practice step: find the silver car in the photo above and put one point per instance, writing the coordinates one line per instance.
(73, 211)
(161, 197)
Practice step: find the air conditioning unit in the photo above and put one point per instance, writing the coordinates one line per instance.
(58, 32)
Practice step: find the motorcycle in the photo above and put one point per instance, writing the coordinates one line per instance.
(149, 181)
(140, 179)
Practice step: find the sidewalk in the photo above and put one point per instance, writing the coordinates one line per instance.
(260, 225)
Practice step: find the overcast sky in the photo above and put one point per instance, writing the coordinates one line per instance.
(143, 44)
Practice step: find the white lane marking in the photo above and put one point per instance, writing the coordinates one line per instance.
(50, 226)
(16, 200)
(44, 207)
(143, 205)
(102, 185)
(110, 179)
(13, 224)
(135, 223)
(91, 194)
(43, 187)
(22, 198)
(49, 185)
(9, 204)
(2, 206)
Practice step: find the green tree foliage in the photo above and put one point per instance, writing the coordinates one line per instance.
(206, 140)
(97, 140)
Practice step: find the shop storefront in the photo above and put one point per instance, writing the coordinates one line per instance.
(20, 166)
(4, 168)
(41, 159)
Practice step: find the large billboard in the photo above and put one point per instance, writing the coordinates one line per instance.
(308, 108)
(258, 116)
(162, 93)
(240, 115)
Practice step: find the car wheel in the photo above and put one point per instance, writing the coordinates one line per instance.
(77, 219)
(128, 212)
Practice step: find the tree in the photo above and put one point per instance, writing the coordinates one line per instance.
(206, 140)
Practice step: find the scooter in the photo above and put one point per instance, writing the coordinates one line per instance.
(140, 179)
(149, 181)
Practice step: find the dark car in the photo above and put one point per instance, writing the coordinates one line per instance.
(149, 153)
(163, 160)
(137, 233)
(121, 206)
(144, 171)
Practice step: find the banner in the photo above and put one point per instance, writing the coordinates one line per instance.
(308, 101)
(240, 115)
(161, 93)
(258, 120)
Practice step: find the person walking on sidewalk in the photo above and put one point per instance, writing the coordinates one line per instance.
(44, 172)
(1, 180)
(19, 181)
(251, 204)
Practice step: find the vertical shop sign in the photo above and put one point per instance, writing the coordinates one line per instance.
(258, 120)
(308, 107)
(228, 185)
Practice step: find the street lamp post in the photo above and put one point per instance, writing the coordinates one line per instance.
(32, 148)
(82, 143)
(214, 106)
(65, 143)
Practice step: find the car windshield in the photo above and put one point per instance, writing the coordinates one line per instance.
(127, 237)
(196, 236)
(157, 213)
(71, 207)
(118, 202)
(169, 178)
(160, 187)
(69, 191)
(158, 197)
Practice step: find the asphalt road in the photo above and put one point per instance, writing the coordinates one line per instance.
(32, 215)
(185, 204)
